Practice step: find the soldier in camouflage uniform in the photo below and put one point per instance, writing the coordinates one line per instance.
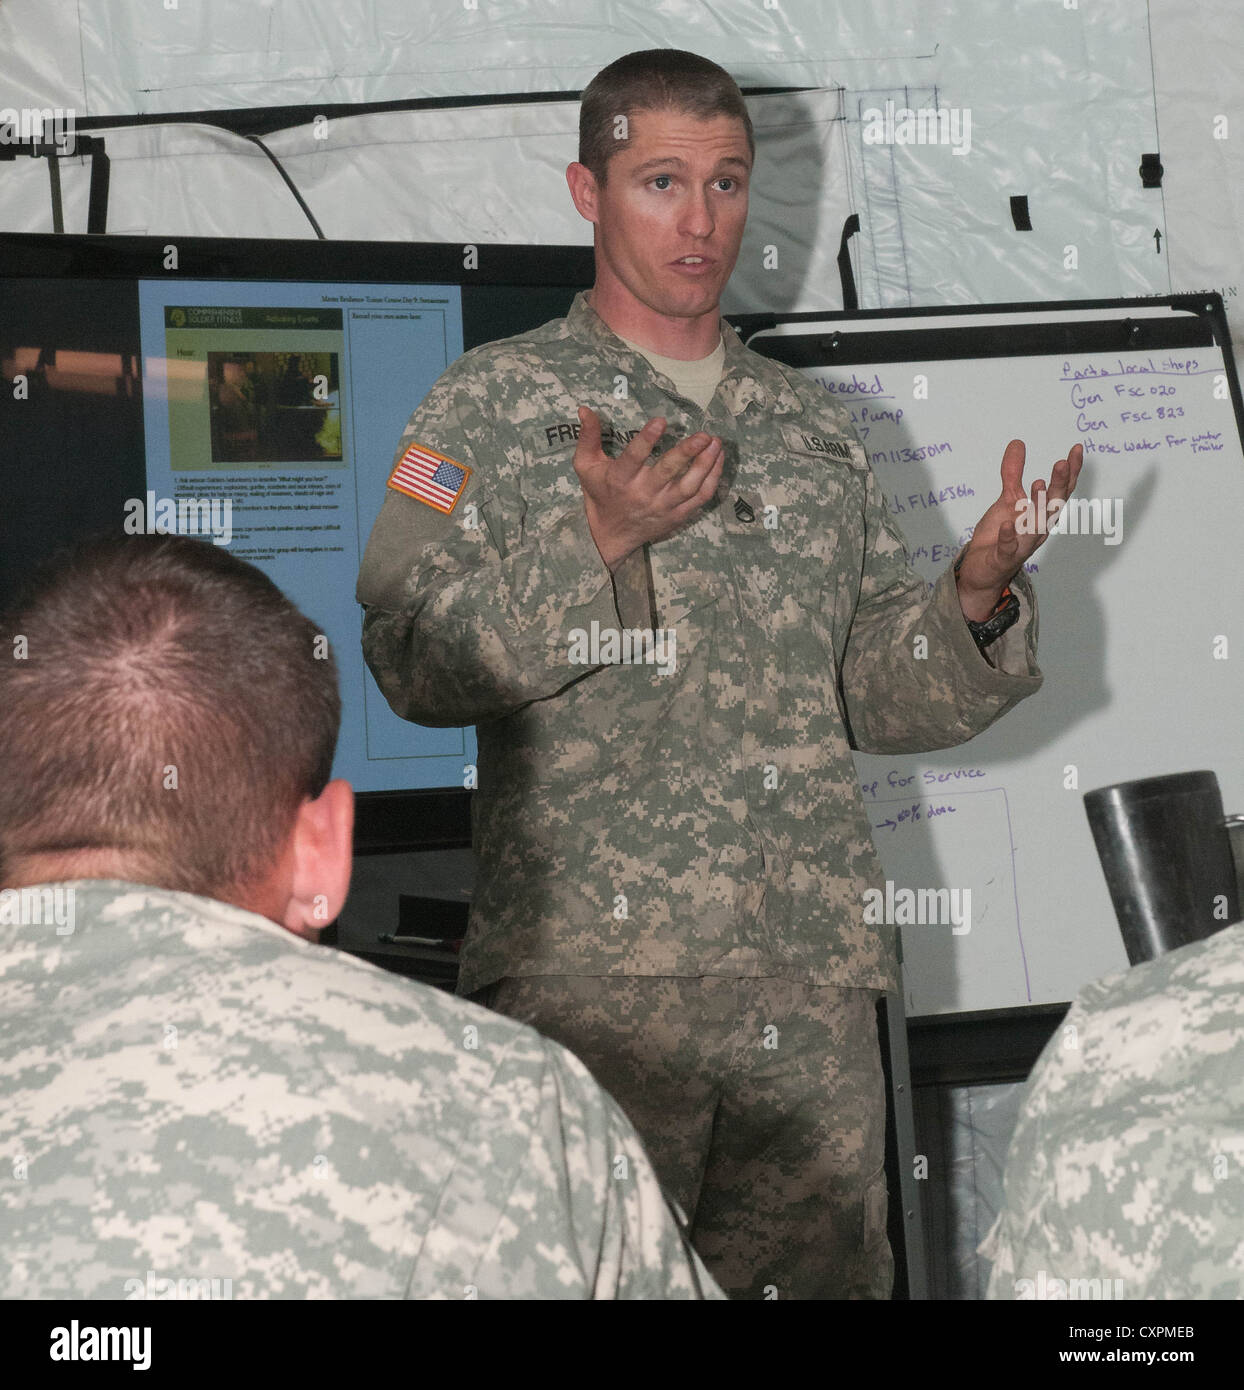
(672, 846)
(1123, 1178)
(194, 1100)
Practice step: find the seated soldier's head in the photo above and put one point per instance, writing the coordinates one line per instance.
(168, 717)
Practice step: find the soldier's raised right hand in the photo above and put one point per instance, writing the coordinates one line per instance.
(629, 503)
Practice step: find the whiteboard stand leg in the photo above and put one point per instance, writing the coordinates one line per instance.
(906, 1216)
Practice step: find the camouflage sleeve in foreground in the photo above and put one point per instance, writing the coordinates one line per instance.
(467, 611)
(1125, 1177)
(586, 1217)
(902, 696)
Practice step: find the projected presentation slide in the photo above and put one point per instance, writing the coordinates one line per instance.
(273, 411)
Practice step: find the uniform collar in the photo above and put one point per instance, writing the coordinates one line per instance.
(747, 377)
(104, 900)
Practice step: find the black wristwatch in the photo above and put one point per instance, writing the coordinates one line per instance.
(1003, 616)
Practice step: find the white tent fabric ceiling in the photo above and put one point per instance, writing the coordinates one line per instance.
(1063, 104)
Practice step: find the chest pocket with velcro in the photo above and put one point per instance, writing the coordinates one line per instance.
(820, 480)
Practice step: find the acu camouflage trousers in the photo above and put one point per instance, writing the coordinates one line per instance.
(761, 1103)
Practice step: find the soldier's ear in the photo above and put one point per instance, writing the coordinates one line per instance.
(583, 190)
(321, 848)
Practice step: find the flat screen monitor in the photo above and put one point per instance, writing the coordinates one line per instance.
(254, 392)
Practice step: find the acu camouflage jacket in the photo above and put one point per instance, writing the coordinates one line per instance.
(708, 820)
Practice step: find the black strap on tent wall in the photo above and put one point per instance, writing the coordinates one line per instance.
(253, 122)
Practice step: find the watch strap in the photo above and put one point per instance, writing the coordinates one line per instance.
(1004, 615)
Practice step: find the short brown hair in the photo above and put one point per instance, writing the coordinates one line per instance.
(653, 79)
(149, 653)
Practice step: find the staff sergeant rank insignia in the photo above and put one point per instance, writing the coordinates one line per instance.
(429, 477)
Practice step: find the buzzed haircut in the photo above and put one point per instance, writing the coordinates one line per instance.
(653, 79)
(165, 702)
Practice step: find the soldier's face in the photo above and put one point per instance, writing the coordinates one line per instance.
(678, 191)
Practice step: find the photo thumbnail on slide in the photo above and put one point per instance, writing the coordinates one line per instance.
(253, 387)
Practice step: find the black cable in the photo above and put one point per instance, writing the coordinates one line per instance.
(255, 140)
(266, 120)
(58, 210)
(101, 175)
(850, 298)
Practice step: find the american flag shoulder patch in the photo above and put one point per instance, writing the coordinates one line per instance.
(429, 477)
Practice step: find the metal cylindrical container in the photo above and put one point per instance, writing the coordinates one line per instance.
(1165, 851)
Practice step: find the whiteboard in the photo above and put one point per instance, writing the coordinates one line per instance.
(1135, 685)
